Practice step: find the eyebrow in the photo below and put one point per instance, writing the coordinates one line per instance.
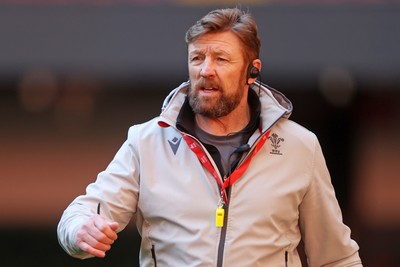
(218, 52)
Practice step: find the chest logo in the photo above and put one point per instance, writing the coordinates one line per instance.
(174, 144)
(275, 143)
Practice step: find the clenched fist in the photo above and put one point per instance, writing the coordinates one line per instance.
(96, 236)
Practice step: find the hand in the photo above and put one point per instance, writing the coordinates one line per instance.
(96, 236)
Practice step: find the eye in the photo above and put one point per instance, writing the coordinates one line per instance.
(196, 58)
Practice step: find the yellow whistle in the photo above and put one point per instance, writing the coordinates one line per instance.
(219, 217)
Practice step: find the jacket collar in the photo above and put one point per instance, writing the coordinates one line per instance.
(273, 105)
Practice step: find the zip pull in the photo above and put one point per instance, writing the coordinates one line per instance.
(98, 208)
(220, 214)
(286, 258)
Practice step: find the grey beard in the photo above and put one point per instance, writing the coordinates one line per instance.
(223, 107)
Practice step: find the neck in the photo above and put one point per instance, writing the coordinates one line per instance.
(232, 123)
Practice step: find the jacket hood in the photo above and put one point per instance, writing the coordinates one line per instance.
(274, 104)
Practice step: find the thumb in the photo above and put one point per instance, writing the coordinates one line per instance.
(113, 225)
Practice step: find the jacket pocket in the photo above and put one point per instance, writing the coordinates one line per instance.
(153, 255)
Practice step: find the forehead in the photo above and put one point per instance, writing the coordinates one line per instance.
(221, 42)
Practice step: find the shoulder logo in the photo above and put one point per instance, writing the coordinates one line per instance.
(275, 142)
(174, 143)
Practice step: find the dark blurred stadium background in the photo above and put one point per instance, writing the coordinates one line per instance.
(74, 75)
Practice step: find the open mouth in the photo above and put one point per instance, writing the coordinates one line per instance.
(208, 89)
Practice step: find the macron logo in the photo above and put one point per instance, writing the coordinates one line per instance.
(174, 143)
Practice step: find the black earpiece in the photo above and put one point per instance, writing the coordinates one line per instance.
(253, 72)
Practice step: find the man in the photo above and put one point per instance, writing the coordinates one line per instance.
(222, 177)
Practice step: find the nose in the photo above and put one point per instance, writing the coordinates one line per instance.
(207, 69)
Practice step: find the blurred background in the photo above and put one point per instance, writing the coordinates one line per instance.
(74, 75)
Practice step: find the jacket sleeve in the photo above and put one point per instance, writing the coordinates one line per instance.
(116, 189)
(327, 240)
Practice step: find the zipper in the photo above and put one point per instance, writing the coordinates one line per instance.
(286, 259)
(153, 255)
(221, 245)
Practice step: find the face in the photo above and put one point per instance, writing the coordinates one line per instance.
(217, 72)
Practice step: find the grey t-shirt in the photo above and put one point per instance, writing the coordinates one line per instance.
(226, 145)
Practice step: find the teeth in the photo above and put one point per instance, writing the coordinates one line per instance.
(208, 88)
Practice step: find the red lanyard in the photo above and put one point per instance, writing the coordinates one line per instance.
(231, 179)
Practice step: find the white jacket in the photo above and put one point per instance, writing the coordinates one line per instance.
(284, 195)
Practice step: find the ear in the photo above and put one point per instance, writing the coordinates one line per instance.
(257, 64)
